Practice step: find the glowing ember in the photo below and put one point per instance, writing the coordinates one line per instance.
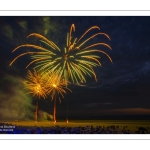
(54, 85)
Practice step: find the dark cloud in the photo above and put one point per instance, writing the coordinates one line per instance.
(125, 111)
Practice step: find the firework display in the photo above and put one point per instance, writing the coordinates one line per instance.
(56, 86)
(74, 62)
(57, 68)
(35, 85)
(42, 85)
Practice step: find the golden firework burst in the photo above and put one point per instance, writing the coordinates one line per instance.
(74, 62)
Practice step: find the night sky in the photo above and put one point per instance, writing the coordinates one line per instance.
(123, 87)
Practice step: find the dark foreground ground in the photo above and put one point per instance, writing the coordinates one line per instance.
(77, 127)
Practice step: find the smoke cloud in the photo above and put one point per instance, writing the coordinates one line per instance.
(14, 103)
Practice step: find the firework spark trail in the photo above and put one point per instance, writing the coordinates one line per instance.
(35, 85)
(56, 87)
(53, 45)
